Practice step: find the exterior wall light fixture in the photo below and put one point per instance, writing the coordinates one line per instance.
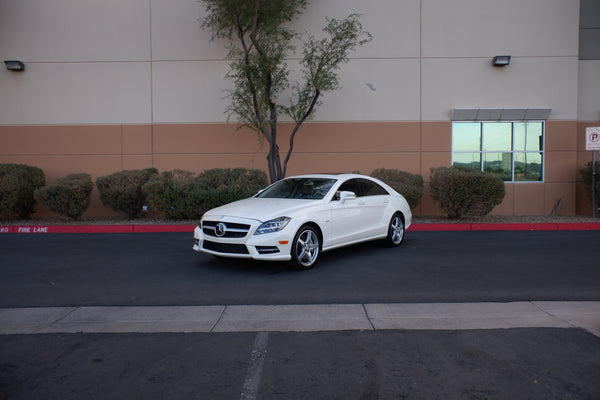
(14, 65)
(501, 61)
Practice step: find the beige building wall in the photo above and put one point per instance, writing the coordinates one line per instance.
(113, 85)
(86, 62)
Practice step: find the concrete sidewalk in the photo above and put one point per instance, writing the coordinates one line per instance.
(302, 318)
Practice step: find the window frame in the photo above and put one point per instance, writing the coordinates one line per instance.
(370, 188)
(513, 153)
(361, 185)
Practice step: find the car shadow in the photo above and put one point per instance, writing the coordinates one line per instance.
(244, 266)
(332, 259)
(360, 250)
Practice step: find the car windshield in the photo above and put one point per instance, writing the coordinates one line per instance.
(298, 188)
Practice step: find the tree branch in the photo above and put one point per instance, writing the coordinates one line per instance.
(297, 126)
(247, 49)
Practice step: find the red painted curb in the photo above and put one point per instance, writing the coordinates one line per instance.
(163, 228)
(568, 226)
(581, 226)
(97, 228)
(71, 229)
(515, 227)
(439, 227)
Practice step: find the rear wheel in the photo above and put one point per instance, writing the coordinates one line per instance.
(306, 248)
(395, 231)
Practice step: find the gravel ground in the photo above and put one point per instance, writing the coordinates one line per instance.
(118, 220)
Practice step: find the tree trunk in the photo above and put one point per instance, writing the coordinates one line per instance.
(274, 163)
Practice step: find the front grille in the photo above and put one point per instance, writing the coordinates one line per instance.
(227, 248)
(232, 230)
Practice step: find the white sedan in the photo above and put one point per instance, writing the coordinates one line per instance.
(299, 217)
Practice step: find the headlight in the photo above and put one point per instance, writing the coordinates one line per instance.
(274, 225)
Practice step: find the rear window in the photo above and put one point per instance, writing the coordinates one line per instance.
(371, 188)
(363, 187)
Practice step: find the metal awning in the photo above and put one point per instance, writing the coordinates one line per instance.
(500, 114)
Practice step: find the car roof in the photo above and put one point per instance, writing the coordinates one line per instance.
(344, 177)
(331, 176)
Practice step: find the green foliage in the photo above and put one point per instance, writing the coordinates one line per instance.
(465, 192)
(69, 195)
(260, 41)
(182, 195)
(405, 183)
(17, 184)
(222, 186)
(175, 194)
(321, 60)
(586, 175)
(223, 17)
(122, 191)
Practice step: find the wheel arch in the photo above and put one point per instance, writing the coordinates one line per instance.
(299, 252)
(317, 228)
(401, 216)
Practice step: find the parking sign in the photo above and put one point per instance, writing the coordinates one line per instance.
(592, 138)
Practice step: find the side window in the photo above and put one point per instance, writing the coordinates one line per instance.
(371, 188)
(353, 185)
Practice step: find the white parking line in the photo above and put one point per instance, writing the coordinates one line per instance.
(254, 374)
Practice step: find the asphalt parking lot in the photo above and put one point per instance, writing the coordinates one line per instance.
(160, 269)
(522, 272)
(468, 364)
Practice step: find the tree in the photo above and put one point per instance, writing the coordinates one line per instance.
(259, 41)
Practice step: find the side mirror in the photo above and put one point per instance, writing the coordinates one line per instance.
(344, 196)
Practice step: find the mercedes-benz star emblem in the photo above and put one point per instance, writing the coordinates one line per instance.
(220, 229)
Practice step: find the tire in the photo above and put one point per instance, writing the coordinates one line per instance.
(396, 231)
(306, 248)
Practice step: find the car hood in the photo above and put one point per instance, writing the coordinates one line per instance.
(261, 209)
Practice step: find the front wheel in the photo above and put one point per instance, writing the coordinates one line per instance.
(306, 248)
(395, 231)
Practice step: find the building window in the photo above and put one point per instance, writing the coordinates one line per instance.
(513, 151)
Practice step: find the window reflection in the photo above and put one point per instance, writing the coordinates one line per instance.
(497, 136)
(471, 160)
(466, 136)
(528, 136)
(512, 151)
(528, 166)
(499, 164)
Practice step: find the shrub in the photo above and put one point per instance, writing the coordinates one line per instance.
(586, 175)
(69, 195)
(221, 186)
(175, 194)
(464, 192)
(181, 195)
(17, 184)
(122, 191)
(405, 183)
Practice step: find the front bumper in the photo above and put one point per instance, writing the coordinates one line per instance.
(268, 247)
